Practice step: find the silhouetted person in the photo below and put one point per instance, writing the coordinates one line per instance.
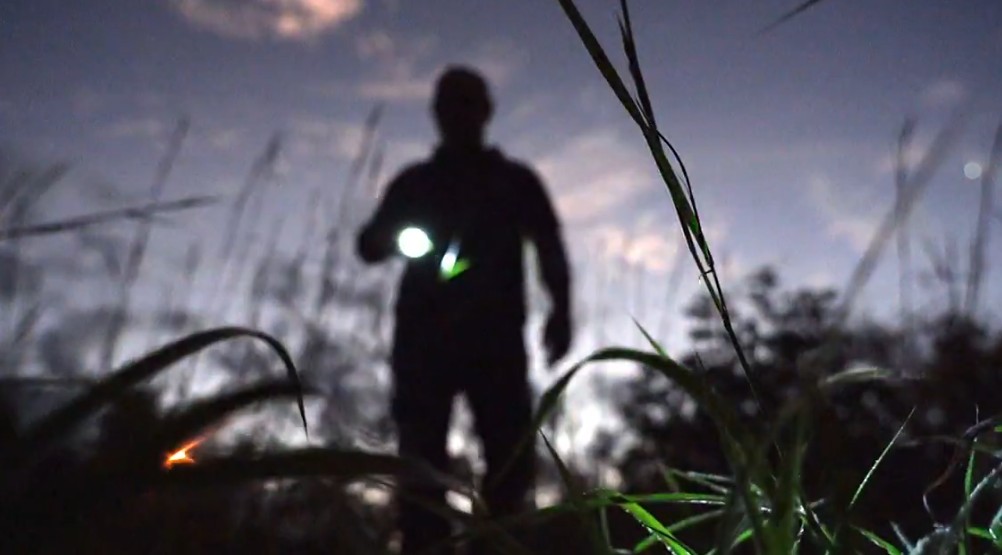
(459, 321)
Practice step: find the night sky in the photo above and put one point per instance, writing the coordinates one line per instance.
(788, 135)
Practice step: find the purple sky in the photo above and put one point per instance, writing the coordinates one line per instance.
(788, 136)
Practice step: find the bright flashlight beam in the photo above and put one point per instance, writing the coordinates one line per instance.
(451, 265)
(413, 242)
(449, 260)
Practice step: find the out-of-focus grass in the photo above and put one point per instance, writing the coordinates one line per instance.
(765, 503)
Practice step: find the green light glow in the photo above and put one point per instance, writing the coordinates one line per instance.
(413, 242)
(451, 265)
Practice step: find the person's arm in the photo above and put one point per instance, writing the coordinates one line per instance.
(376, 240)
(543, 229)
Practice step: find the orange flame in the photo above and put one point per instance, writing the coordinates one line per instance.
(181, 456)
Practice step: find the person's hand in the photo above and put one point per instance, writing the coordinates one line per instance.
(557, 336)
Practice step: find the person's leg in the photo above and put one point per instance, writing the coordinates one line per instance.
(421, 411)
(501, 402)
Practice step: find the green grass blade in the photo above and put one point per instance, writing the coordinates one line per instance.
(909, 546)
(737, 439)
(601, 60)
(869, 474)
(646, 543)
(887, 546)
(995, 528)
(819, 532)
(633, 60)
(745, 535)
(676, 527)
(876, 463)
(684, 206)
(965, 547)
(713, 482)
(668, 498)
(980, 533)
(781, 532)
(944, 539)
(650, 339)
(654, 526)
(732, 523)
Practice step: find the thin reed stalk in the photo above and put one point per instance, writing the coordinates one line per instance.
(137, 249)
(982, 234)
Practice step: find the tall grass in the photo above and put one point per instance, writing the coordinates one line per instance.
(764, 503)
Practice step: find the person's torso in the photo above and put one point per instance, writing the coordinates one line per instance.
(469, 208)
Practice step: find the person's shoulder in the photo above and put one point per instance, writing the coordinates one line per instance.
(412, 174)
(520, 171)
(415, 170)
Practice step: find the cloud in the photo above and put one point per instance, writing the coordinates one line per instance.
(86, 102)
(296, 20)
(406, 68)
(499, 60)
(946, 92)
(648, 248)
(319, 139)
(915, 153)
(849, 217)
(145, 127)
(224, 139)
(157, 129)
(594, 174)
(402, 87)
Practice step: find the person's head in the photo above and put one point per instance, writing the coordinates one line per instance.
(462, 107)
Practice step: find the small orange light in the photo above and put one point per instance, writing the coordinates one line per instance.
(181, 456)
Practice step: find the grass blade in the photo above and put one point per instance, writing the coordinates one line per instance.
(198, 416)
(887, 546)
(63, 419)
(654, 526)
(869, 474)
(143, 212)
(599, 540)
(310, 462)
(792, 13)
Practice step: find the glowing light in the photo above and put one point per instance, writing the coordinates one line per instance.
(451, 265)
(181, 456)
(448, 261)
(413, 242)
(972, 170)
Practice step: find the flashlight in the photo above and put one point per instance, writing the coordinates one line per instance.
(451, 265)
(413, 242)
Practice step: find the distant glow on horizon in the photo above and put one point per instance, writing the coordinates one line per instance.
(972, 170)
(413, 242)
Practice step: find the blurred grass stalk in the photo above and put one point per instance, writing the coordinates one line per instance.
(765, 505)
